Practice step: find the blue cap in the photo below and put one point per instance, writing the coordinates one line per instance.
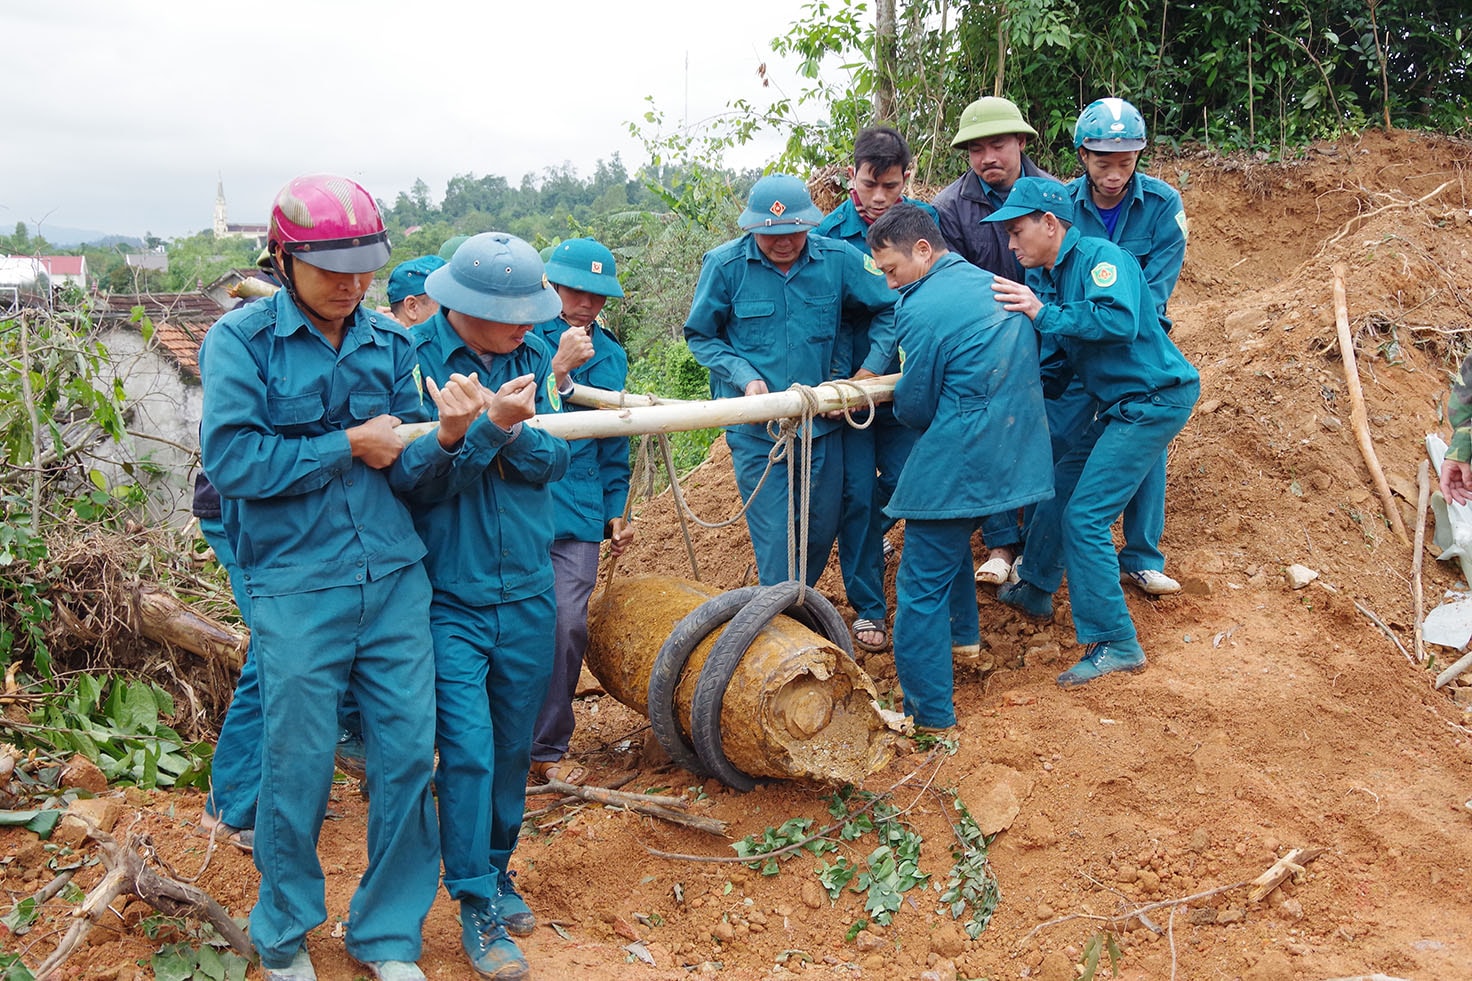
(584, 264)
(407, 279)
(495, 276)
(779, 205)
(1033, 194)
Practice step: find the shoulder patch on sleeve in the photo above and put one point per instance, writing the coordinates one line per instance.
(870, 265)
(1104, 275)
(552, 397)
(1181, 220)
(419, 382)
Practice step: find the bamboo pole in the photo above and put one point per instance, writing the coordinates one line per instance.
(598, 398)
(686, 416)
(1423, 498)
(1357, 414)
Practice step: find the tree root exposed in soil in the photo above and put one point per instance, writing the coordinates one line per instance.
(128, 874)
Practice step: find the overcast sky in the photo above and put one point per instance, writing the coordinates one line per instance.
(121, 116)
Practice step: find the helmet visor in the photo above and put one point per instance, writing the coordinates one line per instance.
(359, 254)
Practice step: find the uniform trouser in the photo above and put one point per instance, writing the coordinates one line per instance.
(766, 519)
(872, 460)
(371, 640)
(935, 609)
(1092, 483)
(575, 564)
(491, 669)
(235, 771)
(1144, 516)
(235, 768)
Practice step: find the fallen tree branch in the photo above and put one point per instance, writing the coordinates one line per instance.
(1357, 414)
(1290, 864)
(603, 795)
(128, 874)
(1358, 220)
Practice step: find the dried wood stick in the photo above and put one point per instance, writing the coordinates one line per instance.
(1463, 663)
(1288, 865)
(1358, 220)
(1358, 416)
(1134, 913)
(602, 795)
(1423, 498)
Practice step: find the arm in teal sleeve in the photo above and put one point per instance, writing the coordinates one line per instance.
(1167, 255)
(917, 393)
(705, 331)
(241, 452)
(1104, 313)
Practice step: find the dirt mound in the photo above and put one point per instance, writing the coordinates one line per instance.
(1268, 718)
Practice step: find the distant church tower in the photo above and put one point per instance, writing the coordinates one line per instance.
(222, 229)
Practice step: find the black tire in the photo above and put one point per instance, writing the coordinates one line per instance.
(669, 664)
(716, 674)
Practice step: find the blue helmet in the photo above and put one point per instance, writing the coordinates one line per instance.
(1109, 126)
(779, 205)
(495, 276)
(584, 264)
(408, 277)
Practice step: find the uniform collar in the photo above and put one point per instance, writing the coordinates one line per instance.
(359, 329)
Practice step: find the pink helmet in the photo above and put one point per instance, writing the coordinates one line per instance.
(329, 222)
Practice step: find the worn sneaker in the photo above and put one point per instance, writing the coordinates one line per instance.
(396, 971)
(491, 952)
(1103, 657)
(1152, 581)
(300, 969)
(511, 909)
(1034, 603)
(889, 550)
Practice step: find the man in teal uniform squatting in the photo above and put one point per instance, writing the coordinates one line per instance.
(766, 315)
(1142, 215)
(301, 396)
(970, 386)
(1090, 297)
(488, 526)
(994, 136)
(588, 503)
(874, 455)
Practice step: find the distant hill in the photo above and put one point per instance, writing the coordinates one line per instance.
(70, 238)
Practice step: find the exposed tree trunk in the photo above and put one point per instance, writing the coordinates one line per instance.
(164, 618)
(886, 60)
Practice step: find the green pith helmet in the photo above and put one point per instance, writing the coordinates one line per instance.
(584, 264)
(1109, 126)
(991, 116)
(447, 251)
(498, 277)
(779, 205)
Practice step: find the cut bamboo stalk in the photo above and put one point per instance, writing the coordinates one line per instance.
(686, 416)
(1423, 498)
(600, 398)
(1289, 865)
(164, 618)
(1357, 414)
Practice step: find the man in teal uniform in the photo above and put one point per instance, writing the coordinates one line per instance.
(1089, 296)
(488, 526)
(872, 456)
(407, 300)
(970, 386)
(588, 503)
(994, 136)
(301, 396)
(766, 316)
(1142, 215)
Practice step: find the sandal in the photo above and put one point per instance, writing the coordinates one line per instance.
(995, 571)
(864, 625)
(212, 827)
(548, 770)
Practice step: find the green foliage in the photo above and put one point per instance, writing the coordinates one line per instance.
(12, 968)
(793, 831)
(972, 883)
(181, 962)
(1094, 950)
(120, 725)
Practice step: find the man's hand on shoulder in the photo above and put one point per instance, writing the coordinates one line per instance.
(1016, 297)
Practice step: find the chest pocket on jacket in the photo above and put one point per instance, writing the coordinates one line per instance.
(295, 414)
(752, 323)
(366, 405)
(820, 316)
